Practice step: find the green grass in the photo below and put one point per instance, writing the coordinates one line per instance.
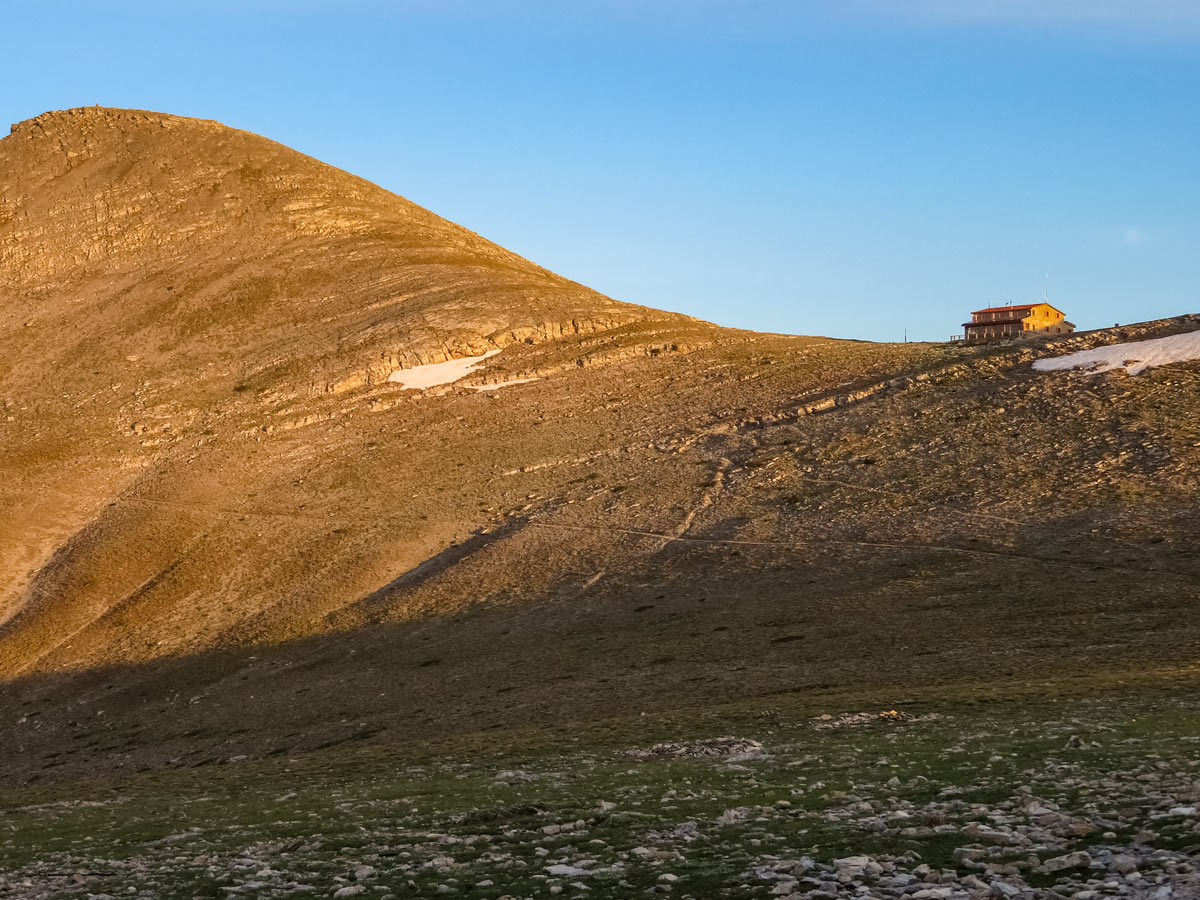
(317, 817)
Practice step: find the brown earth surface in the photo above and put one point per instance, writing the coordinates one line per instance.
(224, 532)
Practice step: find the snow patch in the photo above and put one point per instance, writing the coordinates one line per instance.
(434, 374)
(500, 384)
(1135, 357)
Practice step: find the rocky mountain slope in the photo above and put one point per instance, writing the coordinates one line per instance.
(169, 281)
(224, 531)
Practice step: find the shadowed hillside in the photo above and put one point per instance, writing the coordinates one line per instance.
(224, 531)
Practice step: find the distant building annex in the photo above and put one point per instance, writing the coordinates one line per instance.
(1015, 320)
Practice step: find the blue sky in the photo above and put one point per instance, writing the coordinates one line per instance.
(852, 168)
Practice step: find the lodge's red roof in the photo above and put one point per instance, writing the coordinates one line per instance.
(1003, 308)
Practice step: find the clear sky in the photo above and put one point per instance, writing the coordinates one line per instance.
(852, 167)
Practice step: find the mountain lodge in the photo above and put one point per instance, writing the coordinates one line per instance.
(1015, 320)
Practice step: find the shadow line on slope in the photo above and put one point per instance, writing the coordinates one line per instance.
(440, 562)
(691, 634)
(873, 545)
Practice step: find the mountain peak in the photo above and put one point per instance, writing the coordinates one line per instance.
(80, 118)
(126, 228)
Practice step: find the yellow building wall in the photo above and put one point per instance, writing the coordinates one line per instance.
(1045, 317)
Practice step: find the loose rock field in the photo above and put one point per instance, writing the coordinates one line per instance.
(1081, 799)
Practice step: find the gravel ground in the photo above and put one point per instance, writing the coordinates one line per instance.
(1082, 799)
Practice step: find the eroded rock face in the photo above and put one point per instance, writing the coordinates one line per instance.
(127, 230)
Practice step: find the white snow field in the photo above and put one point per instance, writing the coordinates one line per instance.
(1134, 357)
(434, 374)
